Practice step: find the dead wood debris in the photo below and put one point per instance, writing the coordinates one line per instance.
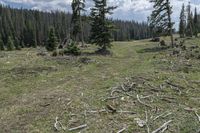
(138, 98)
(113, 110)
(132, 88)
(58, 125)
(78, 128)
(163, 115)
(162, 128)
(198, 116)
(121, 130)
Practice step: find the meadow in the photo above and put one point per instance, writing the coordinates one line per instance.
(135, 90)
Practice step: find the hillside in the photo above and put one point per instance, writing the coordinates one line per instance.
(138, 81)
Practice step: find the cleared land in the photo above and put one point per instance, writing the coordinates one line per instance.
(108, 93)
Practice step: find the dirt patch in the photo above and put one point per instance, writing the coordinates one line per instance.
(86, 60)
(20, 72)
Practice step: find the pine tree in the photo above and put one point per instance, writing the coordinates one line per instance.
(161, 18)
(195, 23)
(52, 40)
(76, 22)
(17, 44)
(189, 27)
(31, 27)
(1, 44)
(101, 27)
(10, 44)
(182, 24)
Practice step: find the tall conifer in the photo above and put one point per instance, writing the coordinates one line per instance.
(76, 22)
(52, 40)
(196, 25)
(161, 18)
(1, 44)
(101, 27)
(10, 44)
(189, 27)
(182, 24)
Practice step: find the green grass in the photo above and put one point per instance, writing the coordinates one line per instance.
(34, 90)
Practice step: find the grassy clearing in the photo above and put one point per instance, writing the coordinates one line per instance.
(34, 90)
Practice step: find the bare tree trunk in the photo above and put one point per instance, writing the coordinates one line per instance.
(170, 23)
(81, 25)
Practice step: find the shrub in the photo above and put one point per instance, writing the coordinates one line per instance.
(10, 44)
(1, 45)
(55, 53)
(72, 49)
(52, 40)
(162, 43)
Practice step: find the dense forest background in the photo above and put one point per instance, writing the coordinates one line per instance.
(30, 27)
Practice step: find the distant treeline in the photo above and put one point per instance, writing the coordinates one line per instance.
(31, 27)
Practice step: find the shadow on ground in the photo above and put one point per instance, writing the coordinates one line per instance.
(153, 49)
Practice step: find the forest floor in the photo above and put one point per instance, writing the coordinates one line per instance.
(137, 89)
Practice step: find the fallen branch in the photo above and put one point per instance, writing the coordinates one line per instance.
(123, 88)
(198, 116)
(113, 91)
(117, 111)
(138, 98)
(122, 130)
(128, 112)
(176, 86)
(162, 115)
(144, 97)
(111, 98)
(161, 128)
(147, 125)
(77, 128)
(58, 125)
(164, 129)
(97, 111)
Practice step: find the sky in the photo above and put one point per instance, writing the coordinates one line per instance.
(137, 10)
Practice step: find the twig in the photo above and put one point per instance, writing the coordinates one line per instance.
(198, 116)
(58, 125)
(122, 130)
(69, 103)
(128, 112)
(97, 111)
(77, 128)
(164, 129)
(176, 86)
(138, 98)
(161, 128)
(144, 97)
(162, 115)
(147, 125)
(113, 91)
(122, 86)
(111, 98)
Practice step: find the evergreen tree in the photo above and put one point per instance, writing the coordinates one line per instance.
(161, 18)
(52, 40)
(76, 22)
(1, 44)
(189, 28)
(31, 27)
(195, 23)
(17, 44)
(182, 24)
(10, 44)
(101, 27)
